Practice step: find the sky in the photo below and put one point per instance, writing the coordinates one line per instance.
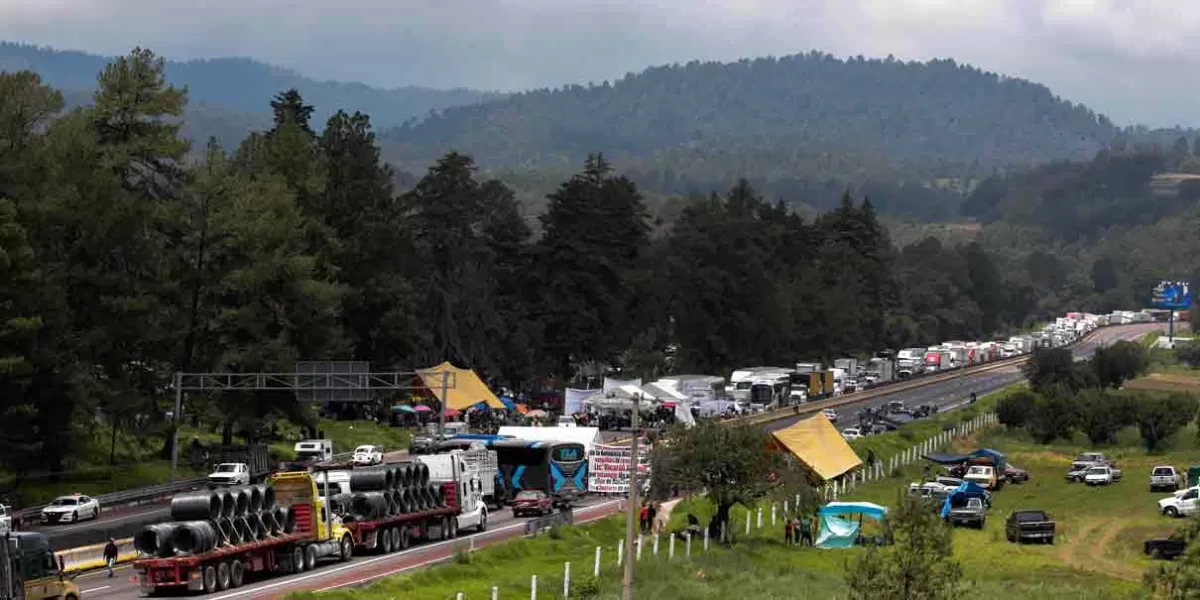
(1134, 60)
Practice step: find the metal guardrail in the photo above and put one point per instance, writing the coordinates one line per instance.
(139, 495)
(558, 519)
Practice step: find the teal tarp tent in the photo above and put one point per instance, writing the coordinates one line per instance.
(839, 529)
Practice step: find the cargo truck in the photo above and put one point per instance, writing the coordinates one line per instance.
(241, 465)
(318, 536)
(30, 571)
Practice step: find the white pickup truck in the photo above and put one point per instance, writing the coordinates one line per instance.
(1101, 475)
(1164, 477)
(230, 474)
(1183, 503)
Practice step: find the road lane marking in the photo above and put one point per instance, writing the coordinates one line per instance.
(394, 555)
(97, 589)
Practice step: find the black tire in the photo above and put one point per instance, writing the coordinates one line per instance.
(453, 527)
(75, 517)
(385, 541)
(298, 560)
(209, 578)
(483, 522)
(346, 548)
(395, 535)
(405, 538)
(222, 577)
(310, 558)
(237, 574)
(1172, 512)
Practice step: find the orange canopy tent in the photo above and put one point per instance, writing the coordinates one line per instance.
(464, 389)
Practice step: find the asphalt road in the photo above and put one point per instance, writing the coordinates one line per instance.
(358, 571)
(953, 392)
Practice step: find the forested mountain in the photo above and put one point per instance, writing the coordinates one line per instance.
(931, 113)
(234, 91)
(120, 264)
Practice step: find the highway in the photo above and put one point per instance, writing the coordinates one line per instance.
(946, 394)
(358, 571)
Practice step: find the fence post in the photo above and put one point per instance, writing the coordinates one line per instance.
(785, 508)
(671, 548)
(724, 531)
(495, 593)
(760, 517)
(797, 502)
(687, 546)
(706, 539)
(773, 514)
(458, 596)
(656, 544)
(620, 553)
(596, 566)
(639, 548)
(747, 523)
(533, 587)
(567, 580)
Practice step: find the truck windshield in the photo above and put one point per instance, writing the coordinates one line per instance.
(226, 468)
(1030, 517)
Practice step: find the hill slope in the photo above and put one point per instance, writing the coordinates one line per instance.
(236, 92)
(902, 111)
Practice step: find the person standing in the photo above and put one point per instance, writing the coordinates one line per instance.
(645, 517)
(110, 555)
(652, 513)
(806, 530)
(788, 527)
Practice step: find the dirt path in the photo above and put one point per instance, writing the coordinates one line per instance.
(1086, 548)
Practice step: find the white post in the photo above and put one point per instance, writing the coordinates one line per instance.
(596, 566)
(639, 547)
(495, 593)
(797, 502)
(458, 596)
(747, 523)
(773, 507)
(760, 517)
(671, 548)
(620, 553)
(656, 544)
(533, 587)
(706, 539)
(567, 580)
(785, 508)
(687, 547)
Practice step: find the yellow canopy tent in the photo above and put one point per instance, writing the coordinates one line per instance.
(816, 443)
(466, 389)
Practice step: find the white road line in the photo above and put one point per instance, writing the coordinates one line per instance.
(103, 587)
(356, 565)
(416, 566)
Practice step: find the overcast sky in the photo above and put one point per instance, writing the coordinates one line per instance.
(1135, 60)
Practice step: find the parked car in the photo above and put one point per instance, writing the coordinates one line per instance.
(1164, 477)
(1029, 525)
(367, 455)
(973, 513)
(1165, 548)
(1092, 459)
(1099, 476)
(71, 509)
(831, 415)
(851, 433)
(421, 444)
(1015, 474)
(983, 476)
(1183, 503)
(532, 502)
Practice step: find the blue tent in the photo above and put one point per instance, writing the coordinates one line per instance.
(958, 459)
(963, 492)
(838, 528)
(508, 403)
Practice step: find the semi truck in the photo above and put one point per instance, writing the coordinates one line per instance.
(241, 465)
(30, 571)
(318, 536)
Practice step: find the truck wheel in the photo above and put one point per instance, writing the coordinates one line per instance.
(310, 558)
(237, 574)
(1171, 511)
(453, 526)
(385, 541)
(346, 548)
(483, 519)
(210, 579)
(222, 577)
(298, 560)
(405, 538)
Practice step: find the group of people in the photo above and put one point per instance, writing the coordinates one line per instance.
(647, 515)
(798, 530)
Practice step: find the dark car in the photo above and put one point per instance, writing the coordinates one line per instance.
(532, 502)
(1029, 526)
(1015, 474)
(1165, 548)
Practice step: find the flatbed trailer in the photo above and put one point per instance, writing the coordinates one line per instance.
(390, 534)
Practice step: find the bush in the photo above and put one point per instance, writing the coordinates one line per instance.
(1103, 414)
(1160, 417)
(1119, 363)
(585, 588)
(1053, 417)
(1189, 353)
(1013, 411)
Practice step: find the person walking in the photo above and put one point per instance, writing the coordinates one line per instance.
(110, 555)
(652, 512)
(788, 529)
(645, 517)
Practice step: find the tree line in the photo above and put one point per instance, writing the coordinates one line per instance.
(122, 262)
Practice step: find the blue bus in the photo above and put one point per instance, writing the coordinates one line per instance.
(560, 469)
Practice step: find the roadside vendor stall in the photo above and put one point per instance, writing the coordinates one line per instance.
(841, 523)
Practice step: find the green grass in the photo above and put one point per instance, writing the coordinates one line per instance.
(138, 464)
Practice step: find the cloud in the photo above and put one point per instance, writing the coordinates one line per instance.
(1127, 58)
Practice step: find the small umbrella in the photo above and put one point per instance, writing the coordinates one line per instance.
(422, 408)
(536, 413)
(403, 408)
(452, 412)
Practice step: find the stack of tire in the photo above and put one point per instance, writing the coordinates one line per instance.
(393, 490)
(205, 520)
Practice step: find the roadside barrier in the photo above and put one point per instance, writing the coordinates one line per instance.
(88, 558)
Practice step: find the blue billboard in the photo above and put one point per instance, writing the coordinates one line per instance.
(1173, 295)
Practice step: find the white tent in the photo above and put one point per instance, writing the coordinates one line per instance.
(588, 436)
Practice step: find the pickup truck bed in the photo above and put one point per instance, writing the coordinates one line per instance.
(1165, 549)
(1029, 526)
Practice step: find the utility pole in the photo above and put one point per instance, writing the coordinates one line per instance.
(177, 418)
(443, 404)
(631, 517)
